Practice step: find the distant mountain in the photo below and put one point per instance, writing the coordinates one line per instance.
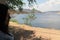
(52, 12)
(24, 11)
(30, 11)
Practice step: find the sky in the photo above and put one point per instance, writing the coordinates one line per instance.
(45, 5)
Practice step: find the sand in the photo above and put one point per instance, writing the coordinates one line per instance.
(51, 34)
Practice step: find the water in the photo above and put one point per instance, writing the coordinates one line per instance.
(46, 20)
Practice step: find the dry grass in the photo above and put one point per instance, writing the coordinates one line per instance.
(24, 32)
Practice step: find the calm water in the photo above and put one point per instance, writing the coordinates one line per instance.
(46, 20)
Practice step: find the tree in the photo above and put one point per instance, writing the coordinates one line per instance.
(29, 18)
(19, 3)
(16, 3)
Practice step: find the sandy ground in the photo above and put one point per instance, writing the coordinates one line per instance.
(51, 34)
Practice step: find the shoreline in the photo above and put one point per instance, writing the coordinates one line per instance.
(53, 34)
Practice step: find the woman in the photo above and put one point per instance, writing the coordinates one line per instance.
(4, 21)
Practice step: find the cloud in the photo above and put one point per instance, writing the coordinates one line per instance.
(50, 5)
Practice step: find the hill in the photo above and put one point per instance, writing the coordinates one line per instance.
(24, 11)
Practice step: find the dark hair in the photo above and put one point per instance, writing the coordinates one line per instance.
(3, 14)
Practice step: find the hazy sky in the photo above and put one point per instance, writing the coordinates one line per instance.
(46, 5)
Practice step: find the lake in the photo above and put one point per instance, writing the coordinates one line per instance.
(45, 20)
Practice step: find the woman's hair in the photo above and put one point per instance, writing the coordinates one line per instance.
(3, 15)
(3, 12)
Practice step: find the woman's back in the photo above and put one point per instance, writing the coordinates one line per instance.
(4, 36)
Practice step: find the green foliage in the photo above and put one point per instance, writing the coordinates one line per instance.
(18, 3)
(29, 19)
(31, 16)
(13, 20)
(33, 10)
